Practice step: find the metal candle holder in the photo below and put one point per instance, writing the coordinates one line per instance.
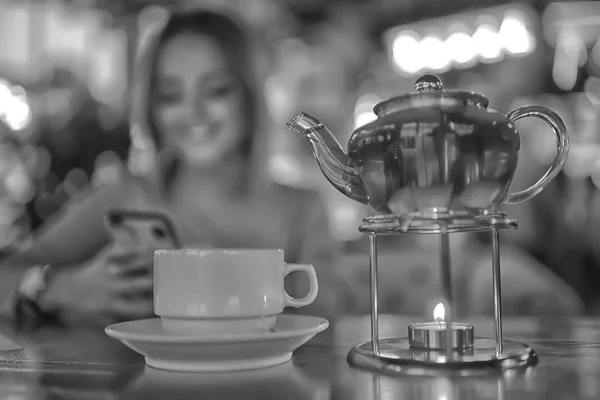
(451, 345)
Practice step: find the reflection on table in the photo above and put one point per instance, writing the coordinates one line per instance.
(86, 364)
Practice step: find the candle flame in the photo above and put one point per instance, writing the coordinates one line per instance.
(439, 312)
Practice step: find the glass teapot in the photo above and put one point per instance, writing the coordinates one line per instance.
(431, 151)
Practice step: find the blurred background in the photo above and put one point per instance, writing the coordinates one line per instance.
(66, 68)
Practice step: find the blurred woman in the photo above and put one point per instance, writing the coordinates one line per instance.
(197, 101)
(566, 236)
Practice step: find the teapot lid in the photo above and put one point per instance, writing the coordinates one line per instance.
(429, 91)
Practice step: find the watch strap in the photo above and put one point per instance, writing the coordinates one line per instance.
(27, 309)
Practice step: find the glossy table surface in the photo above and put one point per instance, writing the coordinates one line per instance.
(86, 364)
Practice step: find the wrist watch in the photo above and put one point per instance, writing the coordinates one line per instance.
(32, 286)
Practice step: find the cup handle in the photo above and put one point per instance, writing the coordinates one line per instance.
(314, 285)
(562, 142)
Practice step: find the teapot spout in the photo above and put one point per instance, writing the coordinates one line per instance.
(336, 165)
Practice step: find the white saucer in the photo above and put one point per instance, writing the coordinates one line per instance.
(232, 352)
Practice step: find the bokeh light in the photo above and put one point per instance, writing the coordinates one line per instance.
(406, 52)
(468, 40)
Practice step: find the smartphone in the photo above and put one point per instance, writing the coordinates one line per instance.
(134, 228)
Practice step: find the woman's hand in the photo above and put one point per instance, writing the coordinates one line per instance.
(116, 285)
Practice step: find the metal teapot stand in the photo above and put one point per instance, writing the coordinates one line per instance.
(440, 347)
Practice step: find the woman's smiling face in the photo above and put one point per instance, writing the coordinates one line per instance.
(198, 101)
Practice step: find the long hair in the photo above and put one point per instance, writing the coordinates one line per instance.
(234, 39)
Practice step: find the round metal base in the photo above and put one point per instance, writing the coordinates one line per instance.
(397, 356)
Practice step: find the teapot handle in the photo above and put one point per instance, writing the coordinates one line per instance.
(562, 142)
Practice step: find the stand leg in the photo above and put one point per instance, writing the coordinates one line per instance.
(497, 290)
(446, 288)
(374, 294)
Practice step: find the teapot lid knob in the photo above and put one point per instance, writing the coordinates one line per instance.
(428, 82)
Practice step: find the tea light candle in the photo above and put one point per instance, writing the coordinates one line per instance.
(432, 335)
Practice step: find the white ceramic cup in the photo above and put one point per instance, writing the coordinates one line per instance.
(224, 290)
